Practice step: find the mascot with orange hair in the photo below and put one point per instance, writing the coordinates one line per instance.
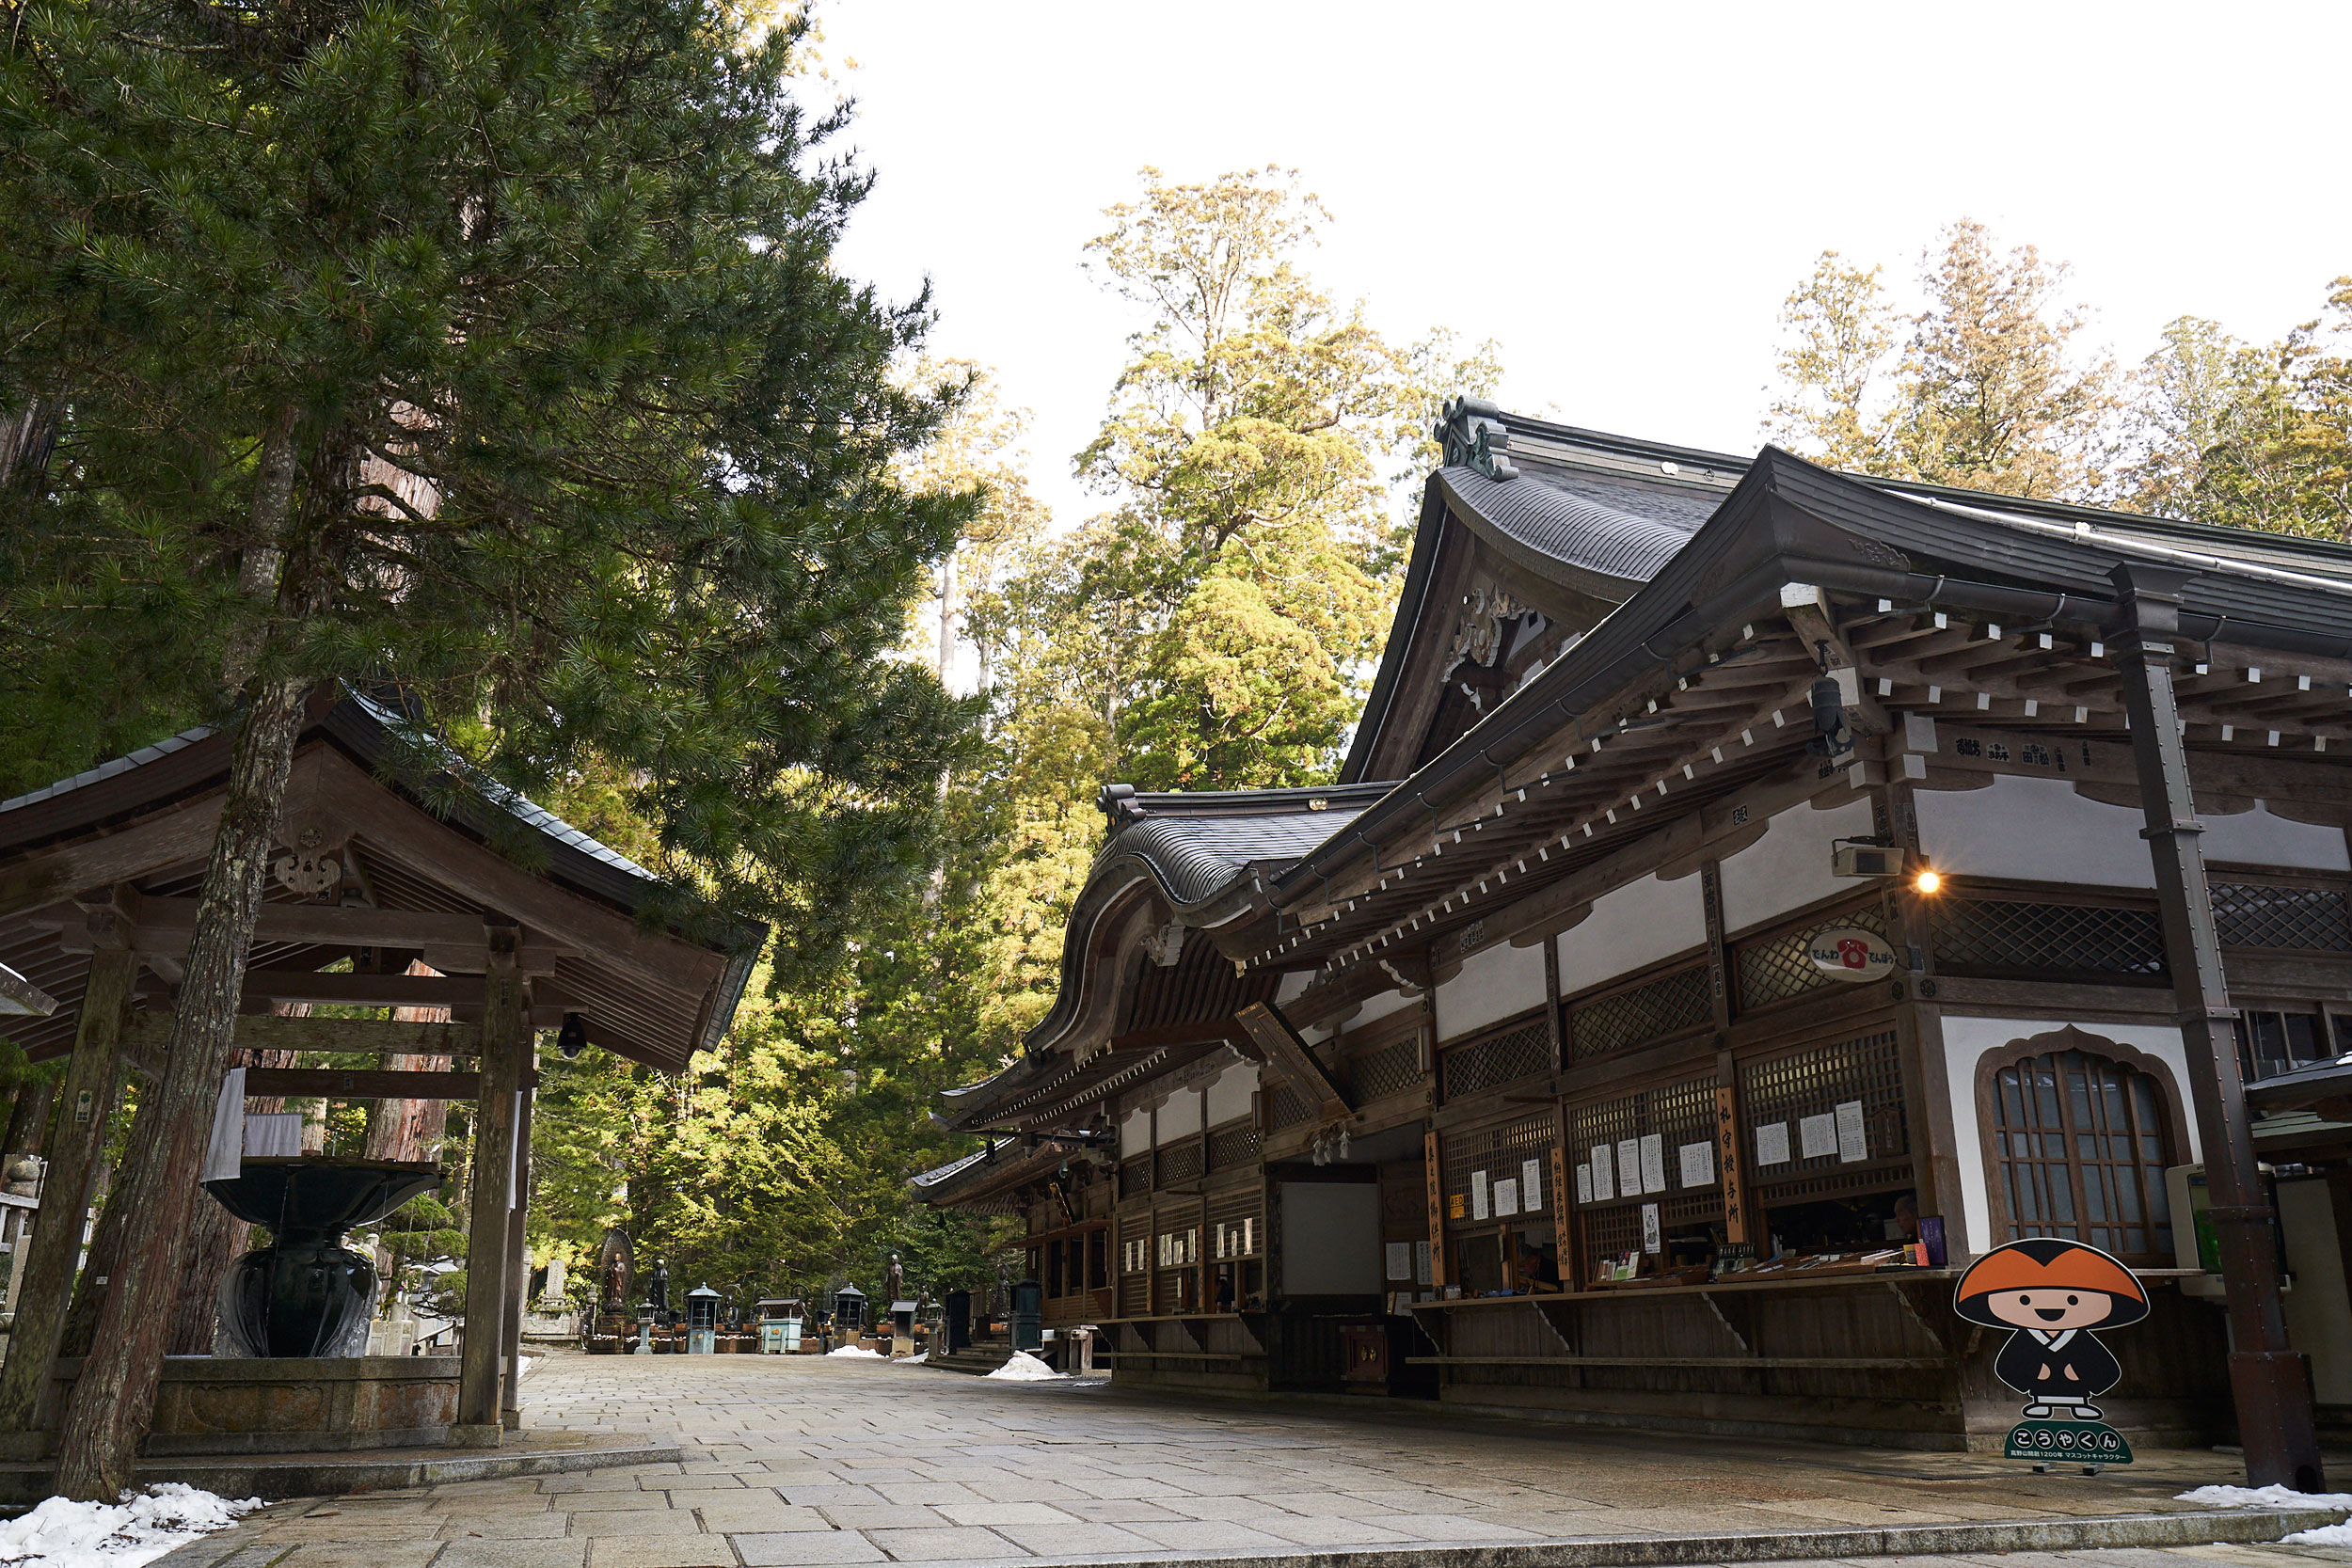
(2050, 1295)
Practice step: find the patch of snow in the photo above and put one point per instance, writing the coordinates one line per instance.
(914, 1360)
(140, 1529)
(525, 1364)
(1024, 1368)
(858, 1349)
(2326, 1535)
(2263, 1496)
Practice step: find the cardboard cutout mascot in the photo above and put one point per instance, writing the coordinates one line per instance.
(2051, 1295)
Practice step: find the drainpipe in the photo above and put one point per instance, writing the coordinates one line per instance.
(2270, 1382)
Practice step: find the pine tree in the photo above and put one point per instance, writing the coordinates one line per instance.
(489, 353)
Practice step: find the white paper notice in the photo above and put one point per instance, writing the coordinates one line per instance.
(1852, 1142)
(1531, 1184)
(1629, 1167)
(1583, 1182)
(1817, 1136)
(1771, 1143)
(1400, 1260)
(1604, 1185)
(1506, 1197)
(1698, 1164)
(1654, 1163)
(1420, 1264)
(1478, 1194)
(1652, 1239)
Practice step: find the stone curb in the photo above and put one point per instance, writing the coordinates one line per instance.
(2237, 1527)
(282, 1477)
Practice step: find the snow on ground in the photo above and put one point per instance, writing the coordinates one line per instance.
(914, 1360)
(858, 1349)
(62, 1534)
(2265, 1497)
(2326, 1535)
(1024, 1368)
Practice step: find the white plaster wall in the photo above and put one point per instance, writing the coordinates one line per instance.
(1637, 925)
(1330, 1237)
(2260, 837)
(2036, 829)
(1382, 1007)
(1788, 868)
(2319, 1312)
(1181, 1117)
(1227, 1094)
(1493, 984)
(1295, 982)
(1135, 1134)
(1965, 1042)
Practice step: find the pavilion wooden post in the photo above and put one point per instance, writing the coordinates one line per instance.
(2271, 1381)
(88, 1095)
(518, 1256)
(504, 1037)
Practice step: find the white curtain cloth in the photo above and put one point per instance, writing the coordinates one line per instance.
(224, 1157)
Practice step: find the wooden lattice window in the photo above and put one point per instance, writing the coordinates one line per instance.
(1788, 1089)
(2078, 1132)
(1519, 1050)
(1666, 1005)
(1776, 968)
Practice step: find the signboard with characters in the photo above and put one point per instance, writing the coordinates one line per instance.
(2051, 1295)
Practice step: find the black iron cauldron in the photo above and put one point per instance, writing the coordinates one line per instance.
(308, 1295)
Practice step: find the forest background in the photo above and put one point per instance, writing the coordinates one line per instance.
(1214, 625)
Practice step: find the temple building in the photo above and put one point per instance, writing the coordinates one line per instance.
(1753, 891)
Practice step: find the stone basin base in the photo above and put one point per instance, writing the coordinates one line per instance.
(217, 1405)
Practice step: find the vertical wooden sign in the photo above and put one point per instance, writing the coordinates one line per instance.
(1564, 1219)
(1436, 1175)
(1728, 1161)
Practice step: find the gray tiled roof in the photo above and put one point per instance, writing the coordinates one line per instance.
(108, 769)
(1196, 857)
(1616, 531)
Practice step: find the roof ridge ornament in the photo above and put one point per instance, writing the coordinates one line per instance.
(1471, 433)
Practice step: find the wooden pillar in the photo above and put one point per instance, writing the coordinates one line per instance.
(2270, 1380)
(79, 1145)
(518, 1254)
(504, 1038)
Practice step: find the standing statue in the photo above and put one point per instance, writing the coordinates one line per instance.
(895, 1283)
(612, 1270)
(658, 1289)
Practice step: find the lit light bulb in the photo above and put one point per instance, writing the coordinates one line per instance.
(1928, 881)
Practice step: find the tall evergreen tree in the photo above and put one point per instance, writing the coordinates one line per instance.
(491, 352)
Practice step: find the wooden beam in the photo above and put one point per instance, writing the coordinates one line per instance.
(272, 1032)
(1290, 1056)
(506, 1037)
(360, 1084)
(333, 925)
(364, 991)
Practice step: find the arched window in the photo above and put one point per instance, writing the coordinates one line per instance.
(2079, 1131)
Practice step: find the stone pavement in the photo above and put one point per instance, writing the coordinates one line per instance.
(811, 1461)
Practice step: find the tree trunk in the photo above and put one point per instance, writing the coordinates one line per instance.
(410, 1129)
(28, 1121)
(115, 1396)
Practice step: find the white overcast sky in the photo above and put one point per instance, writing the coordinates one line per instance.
(1621, 195)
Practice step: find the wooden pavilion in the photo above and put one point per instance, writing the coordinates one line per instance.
(395, 887)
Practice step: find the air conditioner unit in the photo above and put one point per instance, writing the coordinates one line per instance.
(1865, 859)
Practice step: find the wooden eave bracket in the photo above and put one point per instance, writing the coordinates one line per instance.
(1289, 1054)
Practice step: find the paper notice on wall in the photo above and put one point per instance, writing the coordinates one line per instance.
(1654, 1163)
(1583, 1182)
(1771, 1143)
(1853, 1143)
(1629, 1167)
(1400, 1260)
(1506, 1197)
(1653, 1236)
(1604, 1183)
(1817, 1136)
(1479, 1210)
(1420, 1264)
(1531, 1184)
(1698, 1164)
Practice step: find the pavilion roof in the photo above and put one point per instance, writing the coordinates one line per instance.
(428, 848)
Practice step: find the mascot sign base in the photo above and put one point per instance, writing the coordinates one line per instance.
(2050, 1295)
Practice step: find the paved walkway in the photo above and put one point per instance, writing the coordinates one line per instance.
(811, 1461)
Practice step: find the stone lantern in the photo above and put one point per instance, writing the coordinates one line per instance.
(702, 1321)
(849, 1310)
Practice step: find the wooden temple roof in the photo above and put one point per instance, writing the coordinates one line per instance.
(653, 974)
(1736, 583)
